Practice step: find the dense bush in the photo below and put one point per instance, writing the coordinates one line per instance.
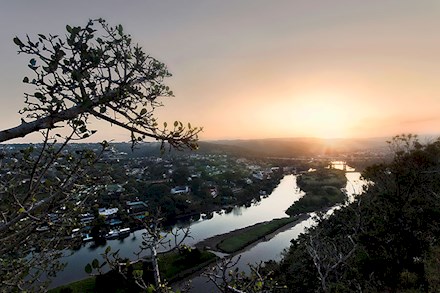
(385, 241)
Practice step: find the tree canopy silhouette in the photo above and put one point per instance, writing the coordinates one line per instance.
(92, 71)
(96, 70)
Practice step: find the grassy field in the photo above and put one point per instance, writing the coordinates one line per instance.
(172, 266)
(237, 242)
(322, 177)
(322, 189)
(82, 286)
(176, 265)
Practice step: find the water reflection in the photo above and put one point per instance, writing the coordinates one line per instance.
(270, 207)
(341, 165)
(274, 247)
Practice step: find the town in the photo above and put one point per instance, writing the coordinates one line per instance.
(180, 186)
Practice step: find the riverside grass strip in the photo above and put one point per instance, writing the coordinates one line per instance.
(238, 242)
(173, 266)
(176, 265)
(82, 286)
(323, 190)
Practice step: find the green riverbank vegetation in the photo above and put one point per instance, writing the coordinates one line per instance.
(257, 232)
(173, 267)
(387, 240)
(322, 188)
(87, 285)
(177, 265)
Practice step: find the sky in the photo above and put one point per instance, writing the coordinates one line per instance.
(261, 69)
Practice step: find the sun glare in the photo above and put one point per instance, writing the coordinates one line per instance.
(324, 117)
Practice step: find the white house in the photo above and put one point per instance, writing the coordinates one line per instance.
(180, 190)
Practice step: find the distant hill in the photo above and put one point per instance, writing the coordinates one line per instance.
(294, 147)
(277, 147)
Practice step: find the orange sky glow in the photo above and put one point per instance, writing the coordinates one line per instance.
(264, 69)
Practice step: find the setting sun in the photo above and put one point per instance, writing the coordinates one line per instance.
(158, 145)
(249, 71)
(323, 117)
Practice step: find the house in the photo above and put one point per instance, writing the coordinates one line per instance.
(114, 189)
(108, 213)
(258, 175)
(180, 190)
(137, 209)
(86, 218)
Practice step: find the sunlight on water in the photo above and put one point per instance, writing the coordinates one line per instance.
(273, 206)
(273, 248)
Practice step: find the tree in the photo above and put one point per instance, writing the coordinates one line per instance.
(92, 71)
(386, 240)
(227, 278)
(106, 77)
(180, 176)
(154, 238)
(329, 254)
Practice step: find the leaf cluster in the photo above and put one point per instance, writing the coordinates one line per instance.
(97, 70)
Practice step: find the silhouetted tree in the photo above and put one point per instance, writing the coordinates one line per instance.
(92, 71)
(386, 240)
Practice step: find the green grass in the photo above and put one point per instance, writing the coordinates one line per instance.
(176, 264)
(322, 190)
(82, 286)
(322, 177)
(172, 266)
(237, 242)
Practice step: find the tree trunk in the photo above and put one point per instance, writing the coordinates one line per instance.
(155, 264)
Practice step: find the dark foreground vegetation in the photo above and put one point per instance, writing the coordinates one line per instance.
(56, 194)
(173, 266)
(387, 240)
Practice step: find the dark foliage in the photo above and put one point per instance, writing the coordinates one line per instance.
(385, 240)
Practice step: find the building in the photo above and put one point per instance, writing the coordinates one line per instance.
(180, 190)
(137, 209)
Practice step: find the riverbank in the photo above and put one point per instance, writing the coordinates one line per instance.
(212, 243)
(176, 273)
(174, 266)
(270, 207)
(323, 188)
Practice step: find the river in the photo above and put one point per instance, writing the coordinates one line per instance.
(274, 247)
(273, 206)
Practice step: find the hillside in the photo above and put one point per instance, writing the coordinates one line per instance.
(277, 147)
(295, 147)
